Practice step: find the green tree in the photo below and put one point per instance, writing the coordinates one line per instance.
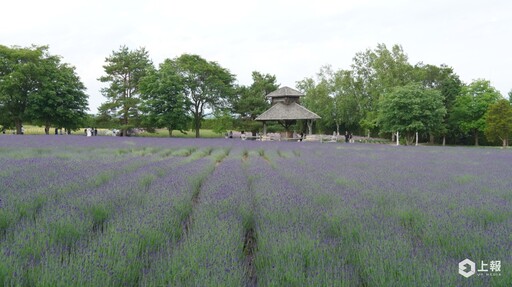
(346, 108)
(469, 109)
(498, 119)
(206, 84)
(376, 73)
(410, 109)
(318, 98)
(20, 75)
(250, 101)
(61, 101)
(124, 69)
(35, 86)
(164, 102)
(444, 80)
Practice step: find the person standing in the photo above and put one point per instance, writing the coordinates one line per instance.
(347, 137)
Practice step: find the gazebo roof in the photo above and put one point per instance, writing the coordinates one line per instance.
(285, 92)
(292, 111)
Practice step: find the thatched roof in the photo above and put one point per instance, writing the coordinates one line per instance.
(285, 92)
(292, 111)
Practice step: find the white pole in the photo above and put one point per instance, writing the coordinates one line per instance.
(416, 138)
(397, 138)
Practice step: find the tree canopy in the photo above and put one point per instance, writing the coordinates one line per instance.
(208, 86)
(498, 120)
(35, 86)
(164, 103)
(250, 101)
(470, 107)
(410, 109)
(379, 94)
(124, 69)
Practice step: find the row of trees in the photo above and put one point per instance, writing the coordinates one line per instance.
(383, 93)
(183, 90)
(37, 87)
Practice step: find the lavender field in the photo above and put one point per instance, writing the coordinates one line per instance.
(111, 211)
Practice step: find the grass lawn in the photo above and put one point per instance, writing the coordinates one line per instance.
(36, 130)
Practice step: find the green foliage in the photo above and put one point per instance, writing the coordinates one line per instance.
(124, 70)
(411, 109)
(164, 102)
(206, 84)
(35, 86)
(469, 109)
(498, 121)
(62, 102)
(222, 122)
(65, 233)
(250, 101)
(318, 98)
(377, 72)
(99, 214)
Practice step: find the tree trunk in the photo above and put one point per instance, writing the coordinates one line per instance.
(505, 142)
(18, 125)
(431, 138)
(47, 128)
(409, 139)
(170, 132)
(476, 138)
(444, 140)
(197, 126)
(337, 129)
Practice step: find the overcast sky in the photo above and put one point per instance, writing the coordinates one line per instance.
(288, 39)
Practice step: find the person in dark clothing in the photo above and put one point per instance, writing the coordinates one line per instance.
(347, 136)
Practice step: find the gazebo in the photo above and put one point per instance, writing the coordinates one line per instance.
(286, 110)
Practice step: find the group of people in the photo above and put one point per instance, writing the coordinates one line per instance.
(4, 130)
(91, 132)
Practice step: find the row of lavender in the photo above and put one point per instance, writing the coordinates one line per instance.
(157, 212)
(408, 216)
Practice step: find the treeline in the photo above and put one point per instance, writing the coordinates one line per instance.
(182, 92)
(381, 94)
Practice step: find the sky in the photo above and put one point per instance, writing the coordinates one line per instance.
(289, 39)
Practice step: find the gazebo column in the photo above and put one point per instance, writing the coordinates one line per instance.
(310, 127)
(264, 128)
